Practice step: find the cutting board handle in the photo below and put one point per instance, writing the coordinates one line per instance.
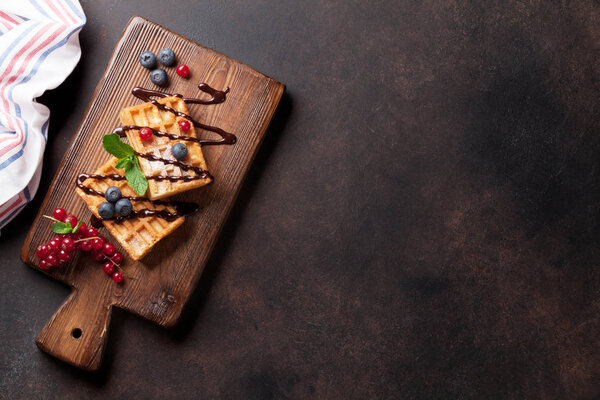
(77, 332)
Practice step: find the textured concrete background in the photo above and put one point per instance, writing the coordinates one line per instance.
(421, 223)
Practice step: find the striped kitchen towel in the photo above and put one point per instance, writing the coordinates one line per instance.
(39, 47)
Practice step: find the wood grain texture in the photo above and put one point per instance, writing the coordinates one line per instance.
(158, 286)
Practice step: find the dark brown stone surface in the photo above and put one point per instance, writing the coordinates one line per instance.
(422, 221)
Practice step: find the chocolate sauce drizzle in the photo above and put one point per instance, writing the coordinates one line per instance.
(204, 142)
(218, 96)
(181, 208)
(200, 173)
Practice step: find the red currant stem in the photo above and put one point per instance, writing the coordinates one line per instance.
(52, 218)
(114, 263)
(84, 239)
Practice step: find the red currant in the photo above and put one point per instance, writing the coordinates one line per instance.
(117, 257)
(117, 277)
(97, 255)
(60, 214)
(97, 243)
(54, 244)
(44, 264)
(86, 245)
(72, 220)
(183, 71)
(52, 260)
(184, 125)
(109, 249)
(145, 133)
(64, 255)
(90, 232)
(68, 244)
(43, 251)
(108, 268)
(82, 227)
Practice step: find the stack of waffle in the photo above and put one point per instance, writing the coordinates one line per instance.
(139, 235)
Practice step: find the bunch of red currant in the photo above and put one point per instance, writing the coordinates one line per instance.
(59, 249)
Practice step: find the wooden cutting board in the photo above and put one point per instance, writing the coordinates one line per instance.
(158, 286)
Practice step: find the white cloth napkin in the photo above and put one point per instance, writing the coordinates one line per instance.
(39, 48)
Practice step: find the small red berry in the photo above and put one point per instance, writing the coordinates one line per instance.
(67, 236)
(68, 244)
(117, 277)
(43, 251)
(71, 219)
(183, 71)
(117, 257)
(82, 227)
(97, 255)
(64, 255)
(86, 245)
(54, 244)
(109, 249)
(184, 125)
(60, 214)
(44, 265)
(52, 260)
(90, 232)
(97, 243)
(108, 268)
(145, 133)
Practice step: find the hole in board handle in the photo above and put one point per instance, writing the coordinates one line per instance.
(76, 333)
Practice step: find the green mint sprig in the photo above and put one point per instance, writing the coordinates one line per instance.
(65, 227)
(128, 161)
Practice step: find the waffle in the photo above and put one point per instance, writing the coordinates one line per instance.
(136, 235)
(149, 115)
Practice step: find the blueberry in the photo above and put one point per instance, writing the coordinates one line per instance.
(123, 207)
(148, 59)
(112, 194)
(179, 151)
(166, 57)
(106, 210)
(159, 77)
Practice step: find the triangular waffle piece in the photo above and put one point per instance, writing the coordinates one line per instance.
(148, 115)
(136, 235)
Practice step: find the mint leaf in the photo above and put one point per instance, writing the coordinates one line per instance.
(62, 227)
(127, 160)
(135, 177)
(113, 144)
(77, 226)
(124, 162)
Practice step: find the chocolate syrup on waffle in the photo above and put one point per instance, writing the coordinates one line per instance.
(189, 208)
(218, 96)
(205, 142)
(182, 208)
(200, 173)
